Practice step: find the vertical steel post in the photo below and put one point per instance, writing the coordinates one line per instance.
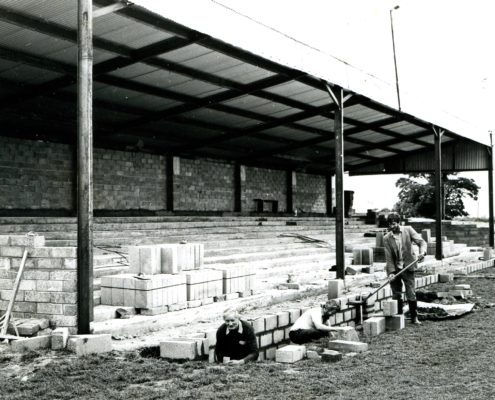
(169, 174)
(328, 194)
(438, 192)
(490, 193)
(84, 167)
(237, 188)
(339, 180)
(289, 191)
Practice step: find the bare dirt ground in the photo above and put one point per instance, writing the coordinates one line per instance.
(451, 359)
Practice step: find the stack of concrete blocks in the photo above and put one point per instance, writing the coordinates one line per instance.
(162, 292)
(448, 248)
(190, 256)
(362, 256)
(203, 286)
(393, 320)
(237, 279)
(374, 326)
(379, 249)
(166, 258)
(145, 260)
(48, 287)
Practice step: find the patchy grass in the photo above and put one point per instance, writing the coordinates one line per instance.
(451, 359)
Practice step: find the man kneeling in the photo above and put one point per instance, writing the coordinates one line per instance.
(314, 323)
(235, 340)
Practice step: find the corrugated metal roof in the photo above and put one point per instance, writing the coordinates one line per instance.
(185, 92)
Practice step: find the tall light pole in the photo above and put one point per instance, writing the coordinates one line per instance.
(395, 57)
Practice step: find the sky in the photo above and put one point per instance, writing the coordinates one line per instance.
(444, 50)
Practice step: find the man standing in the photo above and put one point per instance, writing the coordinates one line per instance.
(399, 253)
(235, 340)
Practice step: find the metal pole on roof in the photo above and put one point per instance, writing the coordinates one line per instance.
(438, 192)
(490, 193)
(84, 167)
(395, 57)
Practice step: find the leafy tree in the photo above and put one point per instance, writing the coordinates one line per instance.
(417, 195)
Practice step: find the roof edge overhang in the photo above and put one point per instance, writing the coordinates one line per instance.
(275, 48)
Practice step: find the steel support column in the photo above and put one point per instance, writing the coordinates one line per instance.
(84, 167)
(490, 194)
(337, 95)
(237, 188)
(438, 192)
(169, 185)
(289, 191)
(328, 194)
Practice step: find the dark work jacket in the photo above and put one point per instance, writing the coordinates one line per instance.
(236, 345)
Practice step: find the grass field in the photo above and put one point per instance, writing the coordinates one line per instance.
(452, 359)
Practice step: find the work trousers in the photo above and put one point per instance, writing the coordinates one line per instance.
(301, 336)
(396, 285)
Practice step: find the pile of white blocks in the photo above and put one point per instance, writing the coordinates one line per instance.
(204, 283)
(236, 279)
(166, 258)
(391, 321)
(152, 292)
(362, 256)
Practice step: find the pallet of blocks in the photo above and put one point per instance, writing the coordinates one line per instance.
(190, 256)
(151, 292)
(202, 284)
(166, 258)
(237, 279)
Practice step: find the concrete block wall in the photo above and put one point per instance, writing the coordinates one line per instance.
(260, 183)
(203, 185)
(309, 193)
(126, 180)
(48, 287)
(469, 234)
(35, 175)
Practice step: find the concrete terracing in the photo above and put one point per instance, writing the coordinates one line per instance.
(229, 241)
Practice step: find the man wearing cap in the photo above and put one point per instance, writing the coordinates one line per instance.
(236, 341)
(399, 253)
